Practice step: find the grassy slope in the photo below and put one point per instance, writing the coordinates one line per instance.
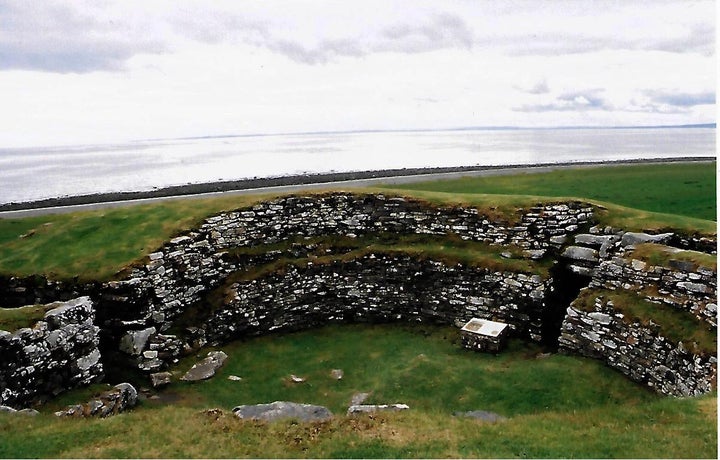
(686, 189)
(550, 414)
(100, 243)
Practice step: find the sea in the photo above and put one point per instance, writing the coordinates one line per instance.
(34, 173)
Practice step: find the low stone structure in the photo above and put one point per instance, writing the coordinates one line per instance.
(58, 353)
(178, 274)
(484, 335)
(637, 350)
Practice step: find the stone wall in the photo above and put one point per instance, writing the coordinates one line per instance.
(187, 267)
(379, 288)
(636, 350)
(607, 259)
(58, 353)
(137, 312)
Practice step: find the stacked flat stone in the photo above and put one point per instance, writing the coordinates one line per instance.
(58, 353)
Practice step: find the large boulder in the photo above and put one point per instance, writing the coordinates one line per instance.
(75, 311)
(279, 410)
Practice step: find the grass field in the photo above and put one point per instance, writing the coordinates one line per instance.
(557, 406)
(685, 189)
(98, 244)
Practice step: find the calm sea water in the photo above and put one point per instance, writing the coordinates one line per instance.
(35, 173)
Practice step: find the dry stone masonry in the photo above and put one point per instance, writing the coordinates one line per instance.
(638, 351)
(605, 256)
(190, 265)
(58, 353)
(161, 310)
(379, 288)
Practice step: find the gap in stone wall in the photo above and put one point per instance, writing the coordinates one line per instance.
(565, 288)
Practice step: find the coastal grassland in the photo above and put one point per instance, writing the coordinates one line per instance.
(556, 406)
(684, 189)
(100, 244)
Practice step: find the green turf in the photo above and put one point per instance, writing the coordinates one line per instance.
(686, 189)
(557, 406)
(99, 244)
(12, 319)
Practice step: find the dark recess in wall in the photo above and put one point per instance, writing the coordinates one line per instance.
(565, 288)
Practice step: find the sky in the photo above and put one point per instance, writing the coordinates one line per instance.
(80, 72)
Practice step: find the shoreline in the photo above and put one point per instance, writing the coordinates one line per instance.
(218, 187)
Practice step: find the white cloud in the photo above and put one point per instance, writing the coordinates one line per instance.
(87, 71)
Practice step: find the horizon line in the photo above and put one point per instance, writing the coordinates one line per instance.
(412, 130)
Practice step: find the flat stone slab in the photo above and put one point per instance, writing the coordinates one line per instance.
(279, 410)
(206, 368)
(370, 408)
(632, 238)
(581, 254)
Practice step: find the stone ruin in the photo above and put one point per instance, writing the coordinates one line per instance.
(128, 321)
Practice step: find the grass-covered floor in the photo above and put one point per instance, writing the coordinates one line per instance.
(557, 406)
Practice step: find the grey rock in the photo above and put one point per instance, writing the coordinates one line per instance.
(558, 240)
(580, 253)
(279, 410)
(88, 361)
(206, 368)
(682, 265)
(68, 312)
(119, 399)
(370, 408)
(160, 379)
(593, 240)
(580, 270)
(133, 342)
(601, 318)
(694, 287)
(632, 238)
(534, 254)
(337, 374)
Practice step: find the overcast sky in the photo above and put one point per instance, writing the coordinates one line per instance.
(94, 71)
